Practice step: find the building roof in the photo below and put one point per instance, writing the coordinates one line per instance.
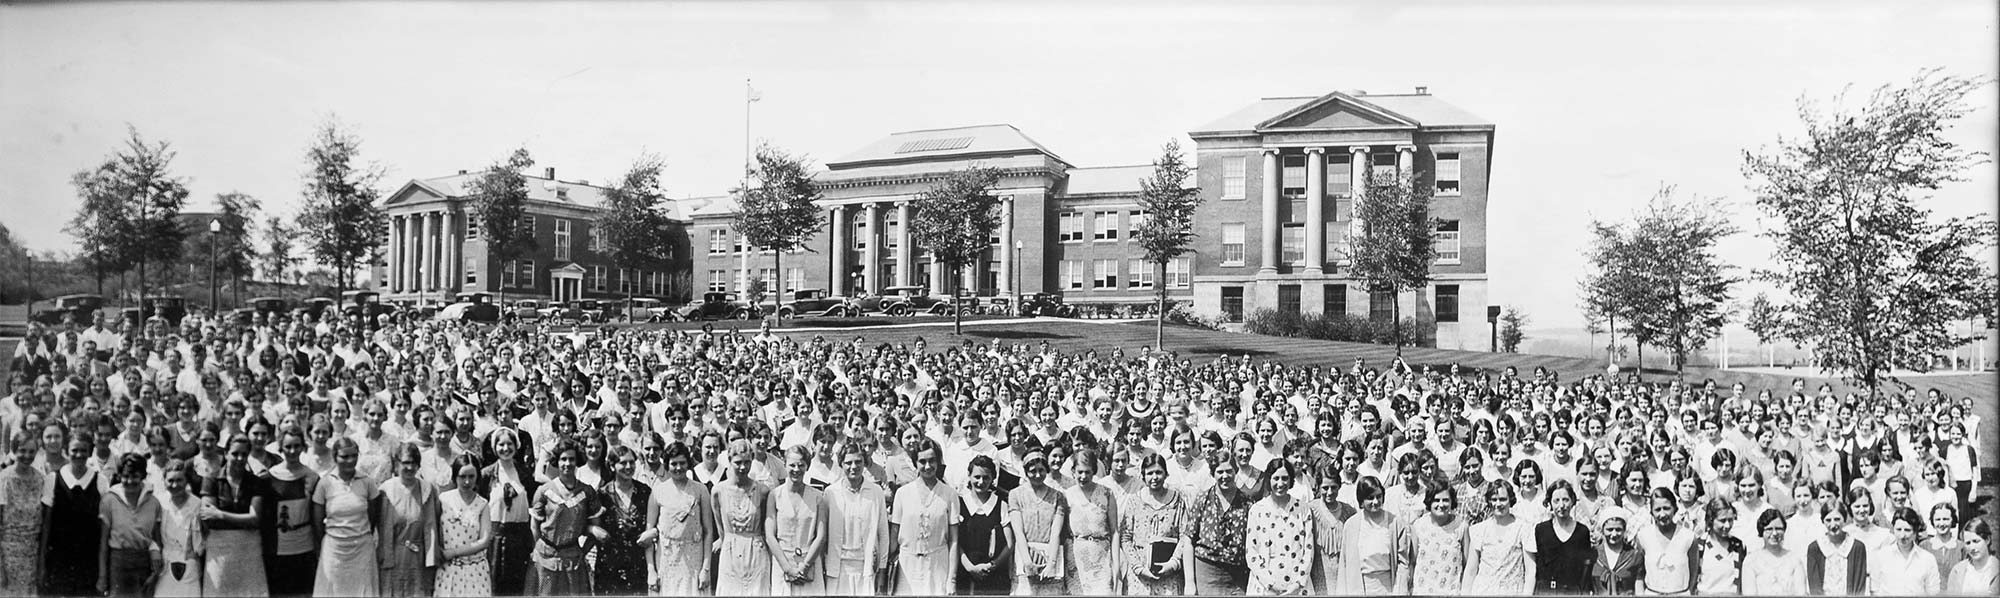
(1107, 179)
(933, 143)
(1425, 109)
(540, 188)
(703, 207)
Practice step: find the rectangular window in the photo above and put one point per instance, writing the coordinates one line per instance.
(861, 232)
(1071, 226)
(1232, 243)
(795, 278)
(1107, 275)
(892, 239)
(472, 228)
(562, 239)
(718, 241)
(527, 279)
(1340, 174)
(1343, 210)
(1447, 303)
(1293, 243)
(1135, 220)
(718, 280)
(1384, 163)
(1234, 177)
(1447, 173)
(770, 278)
(1295, 211)
(1072, 273)
(1447, 242)
(628, 280)
(471, 271)
(737, 244)
(1142, 275)
(597, 279)
(1288, 298)
(1335, 299)
(1381, 306)
(1294, 175)
(596, 238)
(509, 276)
(1333, 242)
(1104, 226)
(1232, 303)
(528, 224)
(1178, 276)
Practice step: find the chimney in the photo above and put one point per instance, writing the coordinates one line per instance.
(461, 171)
(1423, 90)
(552, 173)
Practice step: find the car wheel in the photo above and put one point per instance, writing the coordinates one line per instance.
(741, 314)
(899, 310)
(785, 314)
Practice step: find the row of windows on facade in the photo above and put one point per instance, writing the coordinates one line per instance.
(1339, 174)
(1381, 304)
(563, 238)
(1292, 242)
(1104, 226)
(524, 274)
(1138, 274)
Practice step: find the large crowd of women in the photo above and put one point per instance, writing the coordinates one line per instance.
(298, 458)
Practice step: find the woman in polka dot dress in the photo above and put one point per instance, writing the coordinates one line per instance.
(1279, 547)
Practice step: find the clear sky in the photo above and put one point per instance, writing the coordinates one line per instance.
(1596, 105)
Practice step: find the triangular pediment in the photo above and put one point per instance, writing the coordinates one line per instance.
(1337, 111)
(413, 191)
(569, 268)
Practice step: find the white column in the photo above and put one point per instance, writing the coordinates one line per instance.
(1359, 182)
(1406, 159)
(871, 260)
(394, 271)
(1268, 264)
(837, 279)
(1005, 251)
(1315, 211)
(906, 263)
(454, 250)
(424, 251)
(436, 280)
(413, 252)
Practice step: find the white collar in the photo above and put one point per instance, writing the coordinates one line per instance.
(981, 508)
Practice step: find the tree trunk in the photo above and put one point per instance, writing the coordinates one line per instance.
(957, 314)
(1396, 320)
(1160, 325)
(778, 300)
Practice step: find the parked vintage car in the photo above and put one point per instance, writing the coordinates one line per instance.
(168, 307)
(81, 309)
(586, 311)
(1046, 304)
(471, 307)
(636, 309)
(813, 302)
(527, 309)
(264, 308)
(312, 308)
(715, 305)
(903, 301)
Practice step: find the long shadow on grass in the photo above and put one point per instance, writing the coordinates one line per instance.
(1015, 334)
(1231, 351)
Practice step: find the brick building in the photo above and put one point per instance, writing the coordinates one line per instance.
(1278, 179)
(434, 251)
(1063, 228)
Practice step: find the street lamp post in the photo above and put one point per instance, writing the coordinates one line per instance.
(1017, 276)
(214, 229)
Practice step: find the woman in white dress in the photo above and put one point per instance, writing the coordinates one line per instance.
(924, 523)
(349, 507)
(795, 529)
(180, 534)
(745, 569)
(680, 521)
(465, 534)
(858, 527)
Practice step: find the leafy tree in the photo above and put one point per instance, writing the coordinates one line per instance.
(1395, 250)
(341, 220)
(956, 218)
(500, 203)
(633, 226)
(130, 204)
(1870, 273)
(1168, 231)
(1511, 335)
(277, 262)
(776, 211)
(1660, 274)
(1765, 320)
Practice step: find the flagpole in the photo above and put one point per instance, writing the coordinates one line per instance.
(749, 97)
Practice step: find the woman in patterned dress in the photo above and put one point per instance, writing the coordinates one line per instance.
(1435, 544)
(565, 513)
(291, 555)
(621, 559)
(465, 534)
(25, 497)
(180, 534)
(1497, 560)
(795, 528)
(1330, 520)
(1093, 522)
(1152, 518)
(680, 522)
(745, 568)
(1216, 528)
(1279, 546)
(1039, 514)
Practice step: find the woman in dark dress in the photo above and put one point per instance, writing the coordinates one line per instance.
(71, 569)
(621, 558)
(510, 485)
(984, 534)
(1563, 553)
